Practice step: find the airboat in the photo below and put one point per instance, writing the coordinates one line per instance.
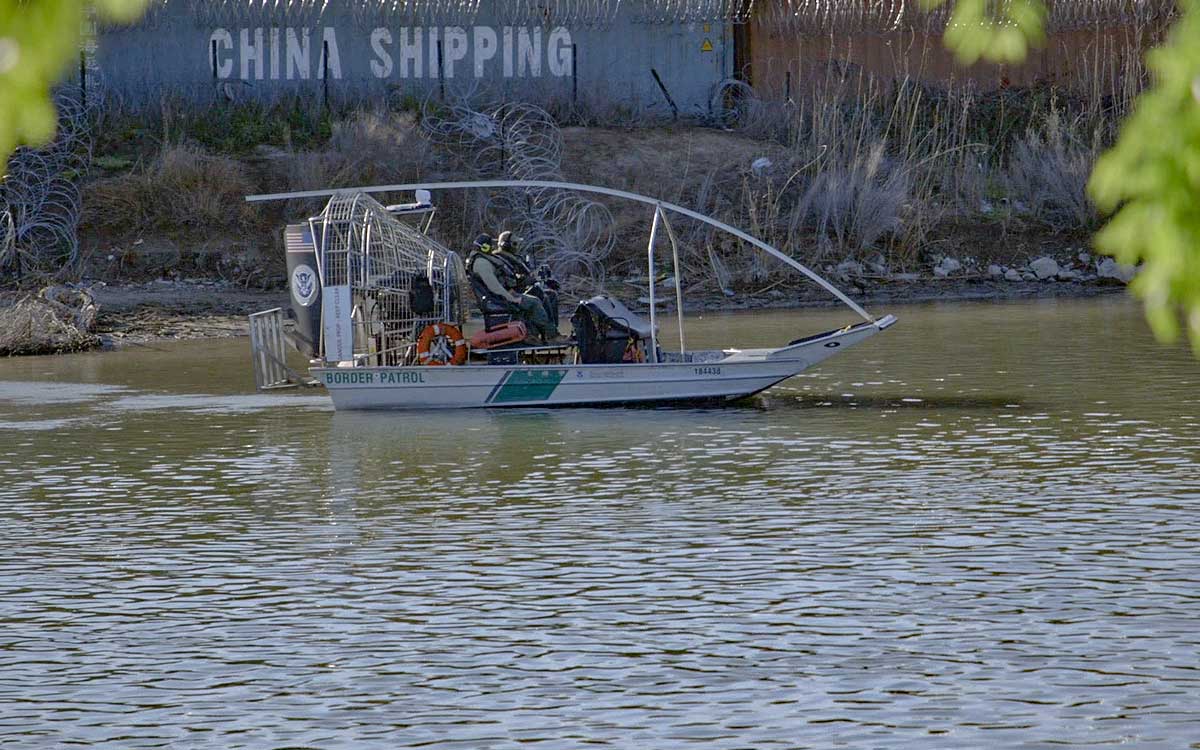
(382, 310)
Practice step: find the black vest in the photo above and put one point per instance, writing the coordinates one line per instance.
(511, 271)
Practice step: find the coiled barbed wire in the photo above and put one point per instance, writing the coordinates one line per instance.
(573, 13)
(570, 233)
(8, 238)
(1068, 15)
(663, 12)
(883, 16)
(40, 200)
(798, 16)
(369, 14)
(256, 12)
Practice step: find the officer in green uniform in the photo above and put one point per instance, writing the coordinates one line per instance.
(506, 277)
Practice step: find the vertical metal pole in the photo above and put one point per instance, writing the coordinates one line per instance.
(678, 278)
(650, 263)
(787, 86)
(83, 78)
(322, 274)
(574, 73)
(214, 60)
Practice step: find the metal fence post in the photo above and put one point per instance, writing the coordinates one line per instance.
(325, 73)
(441, 76)
(666, 94)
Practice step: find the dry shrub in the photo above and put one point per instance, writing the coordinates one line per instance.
(845, 203)
(1048, 172)
(383, 146)
(371, 147)
(183, 188)
(878, 165)
(201, 190)
(865, 165)
(856, 202)
(368, 148)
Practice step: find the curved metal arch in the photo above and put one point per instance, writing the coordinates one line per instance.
(491, 184)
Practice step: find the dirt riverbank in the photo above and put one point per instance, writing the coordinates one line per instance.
(158, 310)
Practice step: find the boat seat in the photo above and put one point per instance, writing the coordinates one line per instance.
(496, 312)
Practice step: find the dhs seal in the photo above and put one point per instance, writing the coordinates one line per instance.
(304, 285)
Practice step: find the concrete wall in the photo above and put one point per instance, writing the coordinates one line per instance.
(177, 53)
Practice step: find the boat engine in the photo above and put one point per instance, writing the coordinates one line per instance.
(305, 287)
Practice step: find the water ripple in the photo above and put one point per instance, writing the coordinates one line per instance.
(936, 560)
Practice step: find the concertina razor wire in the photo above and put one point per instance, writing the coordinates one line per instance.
(40, 201)
(797, 16)
(570, 233)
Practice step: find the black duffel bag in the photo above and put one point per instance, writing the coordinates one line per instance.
(605, 329)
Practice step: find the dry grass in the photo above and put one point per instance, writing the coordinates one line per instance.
(183, 190)
(186, 190)
(383, 146)
(369, 147)
(1048, 172)
(872, 169)
(830, 186)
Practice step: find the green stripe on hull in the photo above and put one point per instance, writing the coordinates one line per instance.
(527, 385)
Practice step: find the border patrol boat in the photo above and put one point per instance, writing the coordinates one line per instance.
(380, 307)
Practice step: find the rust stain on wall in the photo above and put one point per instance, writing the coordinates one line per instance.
(783, 61)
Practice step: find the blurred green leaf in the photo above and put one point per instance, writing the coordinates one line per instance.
(124, 11)
(39, 42)
(1151, 180)
(978, 30)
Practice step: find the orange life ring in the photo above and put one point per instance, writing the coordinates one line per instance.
(435, 343)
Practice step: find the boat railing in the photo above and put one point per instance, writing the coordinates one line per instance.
(268, 350)
(661, 205)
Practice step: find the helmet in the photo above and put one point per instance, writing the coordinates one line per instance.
(506, 242)
(483, 242)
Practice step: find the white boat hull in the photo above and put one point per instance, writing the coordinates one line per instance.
(737, 375)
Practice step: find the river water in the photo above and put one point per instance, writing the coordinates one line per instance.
(979, 529)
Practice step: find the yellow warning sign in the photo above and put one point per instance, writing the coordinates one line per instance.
(707, 46)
